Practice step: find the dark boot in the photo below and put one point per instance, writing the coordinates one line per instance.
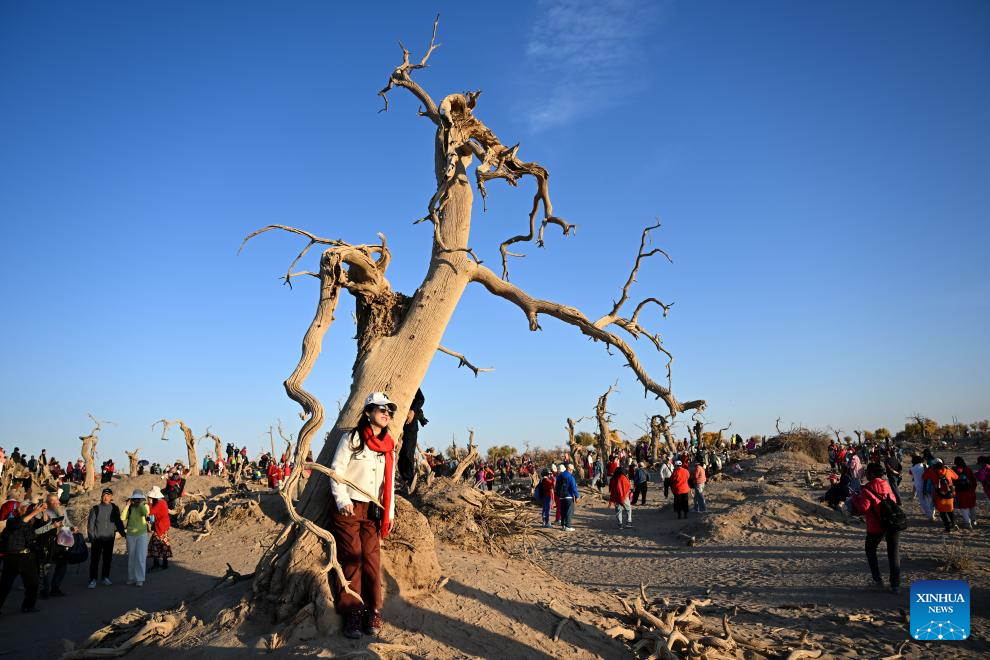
(352, 625)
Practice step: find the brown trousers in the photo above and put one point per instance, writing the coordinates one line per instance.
(359, 554)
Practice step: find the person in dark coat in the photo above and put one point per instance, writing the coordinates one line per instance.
(410, 434)
(18, 557)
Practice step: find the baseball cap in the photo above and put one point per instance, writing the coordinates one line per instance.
(379, 399)
(108, 491)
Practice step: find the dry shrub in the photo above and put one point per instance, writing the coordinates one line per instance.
(955, 558)
(800, 440)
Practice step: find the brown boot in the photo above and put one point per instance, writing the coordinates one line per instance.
(352, 625)
(372, 622)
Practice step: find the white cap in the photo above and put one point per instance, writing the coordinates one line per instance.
(554, 468)
(677, 462)
(379, 399)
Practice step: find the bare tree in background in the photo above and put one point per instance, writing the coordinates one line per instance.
(187, 435)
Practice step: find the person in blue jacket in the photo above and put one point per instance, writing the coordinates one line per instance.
(567, 496)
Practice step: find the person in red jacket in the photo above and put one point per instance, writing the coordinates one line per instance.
(965, 491)
(619, 495)
(679, 486)
(159, 549)
(867, 503)
(274, 474)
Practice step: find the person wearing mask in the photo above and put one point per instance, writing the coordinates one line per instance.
(159, 548)
(867, 503)
(679, 487)
(567, 496)
(366, 458)
(18, 557)
(619, 491)
(102, 526)
(136, 524)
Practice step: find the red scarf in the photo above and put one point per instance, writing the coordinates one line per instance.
(385, 446)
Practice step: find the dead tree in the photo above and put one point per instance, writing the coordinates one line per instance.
(132, 459)
(217, 445)
(603, 417)
(89, 451)
(718, 440)
(699, 426)
(187, 435)
(574, 447)
(660, 430)
(398, 335)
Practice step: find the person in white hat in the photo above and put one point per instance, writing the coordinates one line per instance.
(135, 516)
(366, 458)
(159, 548)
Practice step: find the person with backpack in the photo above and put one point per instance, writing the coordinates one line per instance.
(619, 490)
(640, 479)
(944, 494)
(965, 491)
(567, 496)
(18, 557)
(874, 502)
(102, 527)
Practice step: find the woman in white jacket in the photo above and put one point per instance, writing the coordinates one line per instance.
(366, 458)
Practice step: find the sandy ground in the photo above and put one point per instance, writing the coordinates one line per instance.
(780, 565)
(782, 562)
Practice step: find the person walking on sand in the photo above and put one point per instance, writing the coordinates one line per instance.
(567, 496)
(965, 492)
(619, 491)
(640, 478)
(944, 493)
(867, 503)
(135, 515)
(666, 469)
(679, 487)
(698, 479)
(102, 527)
(546, 495)
(366, 458)
(159, 548)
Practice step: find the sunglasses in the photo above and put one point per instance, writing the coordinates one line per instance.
(384, 409)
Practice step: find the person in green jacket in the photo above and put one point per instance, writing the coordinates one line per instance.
(135, 515)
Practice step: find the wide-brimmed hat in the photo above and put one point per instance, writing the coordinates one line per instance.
(136, 495)
(156, 493)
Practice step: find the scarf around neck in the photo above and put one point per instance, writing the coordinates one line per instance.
(383, 446)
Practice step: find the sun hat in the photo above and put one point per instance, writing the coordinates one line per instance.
(155, 493)
(136, 495)
(379, 399)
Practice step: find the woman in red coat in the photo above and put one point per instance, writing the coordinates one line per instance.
(159, 549)
(619, 491)
(965, 491)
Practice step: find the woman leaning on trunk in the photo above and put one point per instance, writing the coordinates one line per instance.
(366, 458)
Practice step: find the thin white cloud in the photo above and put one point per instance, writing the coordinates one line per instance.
(587, 56)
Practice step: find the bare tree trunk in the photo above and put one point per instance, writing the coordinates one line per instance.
(132, 459)
(604, 433)
(575, 448)
(187, 435)
(89, 455)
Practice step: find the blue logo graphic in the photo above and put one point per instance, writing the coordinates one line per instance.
(940, 610)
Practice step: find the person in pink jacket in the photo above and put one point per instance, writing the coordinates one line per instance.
(867, 503)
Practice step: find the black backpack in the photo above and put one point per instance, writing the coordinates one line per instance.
(944, 489)
(963, 483)
(892, 516)
(78, 553)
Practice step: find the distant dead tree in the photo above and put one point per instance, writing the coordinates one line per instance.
(604, 418)
(574, 447)
(132, 459)
(397, 334)
(187, 436)
(89, 450)
(217, 444)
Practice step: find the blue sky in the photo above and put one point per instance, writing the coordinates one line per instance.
(820, 169)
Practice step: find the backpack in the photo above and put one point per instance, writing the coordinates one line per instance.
(943, 490)
(78, 553)
(892, 516)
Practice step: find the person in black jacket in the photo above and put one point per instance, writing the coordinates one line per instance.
(102, 526)
(410, 436)
(18, 557)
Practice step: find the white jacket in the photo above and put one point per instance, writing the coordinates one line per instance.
(365, 468)
(666, 471)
